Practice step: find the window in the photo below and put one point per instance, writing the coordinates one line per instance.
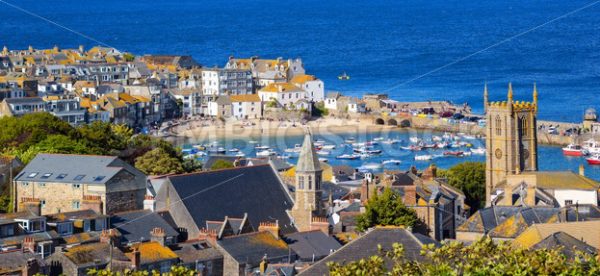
(524, 126)
(568, 202)
(310, 182)
(42, 184)
(61, 176)
(76, 186)
(32, 175)
(75, 205)
(24, 184)
(46, 175)
(300, 182)
(79, 177)
(42, 203)
(498, 125)
(99, 178)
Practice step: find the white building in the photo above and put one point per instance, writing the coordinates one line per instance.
(285, 94)
(267, 71)
(218, 81)
(331, 101)
(315, 88)
(246, 106)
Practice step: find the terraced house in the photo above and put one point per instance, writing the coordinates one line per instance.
(54, 183)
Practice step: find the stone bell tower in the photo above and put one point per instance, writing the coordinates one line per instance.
(307, 202)
(511, 140)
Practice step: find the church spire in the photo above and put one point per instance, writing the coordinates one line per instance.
(485, 97)
(510, 92)
(308, 161)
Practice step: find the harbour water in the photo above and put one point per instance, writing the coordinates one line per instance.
(550, 157)
(385, 46)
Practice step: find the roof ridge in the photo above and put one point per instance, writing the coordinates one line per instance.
(214, 171)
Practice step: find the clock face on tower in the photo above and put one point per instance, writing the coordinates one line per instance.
(498, 153)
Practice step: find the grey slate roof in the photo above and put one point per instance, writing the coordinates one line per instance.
(135, 226)
(251, 248)
(308, 161)
(366, 246)
(73, 168)
(17, 259)
(312, 244)
(190, 252)
(256, 190)
(30, 100)
(568, 245)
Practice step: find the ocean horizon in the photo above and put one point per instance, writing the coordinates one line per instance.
(408, 49)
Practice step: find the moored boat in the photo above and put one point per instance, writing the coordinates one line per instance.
(426, 157)
(594, 159)
(391, 161)
(348, 156)
(574, 150)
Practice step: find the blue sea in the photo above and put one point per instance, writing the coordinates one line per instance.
(413, 50)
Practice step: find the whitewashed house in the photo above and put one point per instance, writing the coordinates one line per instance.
(285, 94)
(219, 81)
(246, 106)
(314, 87)
(331, 100)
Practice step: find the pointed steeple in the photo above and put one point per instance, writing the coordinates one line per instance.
(535, 94)
(485, 97)
(510, 92)
(308, 161)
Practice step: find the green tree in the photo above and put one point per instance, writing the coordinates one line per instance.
(158, 162)
(484, 257)
(175, 271)
(386, 209)
(469, 177)
(122, 132)
(191, 165)
(57, 143)
(23, 132)
(221, 164)
(320, 110)
(129, 57)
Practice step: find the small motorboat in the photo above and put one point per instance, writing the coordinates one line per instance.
(370, 166)
(574, 150)
(323, 152)
(591, 146)
(348, 156)
(593, 160)
(328, 147)
(391, 141)
(478, 151)
(350, 140)
(426, 157)
(412, 148)
(253, 142)
(414, 139)
(240, 154)
(266, 153)
(199, 147)
(259, 147)
(391, 161)
(436, 138)
(217, 150)
(324, 160)
(343, 76)
(234, 150)
(378, 139)
(454, 153)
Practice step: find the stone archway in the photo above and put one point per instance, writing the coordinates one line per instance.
(379, 121)
(392, 122)
(405, 123)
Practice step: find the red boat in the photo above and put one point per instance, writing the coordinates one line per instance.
(454, 153)
(593, 160)
(574, 150)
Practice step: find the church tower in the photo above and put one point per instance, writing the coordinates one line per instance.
(511, 139)
(307, 203)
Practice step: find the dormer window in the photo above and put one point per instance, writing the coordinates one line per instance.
(46, 175)
(32, 175)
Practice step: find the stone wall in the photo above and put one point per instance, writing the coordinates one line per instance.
(124, 201)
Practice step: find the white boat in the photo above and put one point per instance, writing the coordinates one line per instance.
(266, 153)
(328, 147)
(436, 138)
(324, 160)
(414, 139)
(259, 147)
(591, 146)
(348, 156)
(318, 143)
(253, 142)
(240, 154)
(447, 136)
(200, 154)
(478, 151)
(391, 141)
(370, 166)
(426, 157)
(234, 150)
(350, 140)
(323, 152)
(391, 161)
(378, 139)
(358, 145)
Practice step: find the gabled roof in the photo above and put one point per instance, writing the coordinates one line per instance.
(367, 246)
(312, 245)
(508, 221)
(135, 226)
(281, 87)
(256, 190)
(567, 244)
(75, 168)
(252, 247)
(190, 252)
(586, 231)
(308, 161)
(244, 98)
(563, 180)
(17, 259)
(300, 79)
(152, 252)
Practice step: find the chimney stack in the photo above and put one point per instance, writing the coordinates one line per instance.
(273, 228)
(320, 223)
(28, 244)
(208, 235)
(136, 259)
(108, 236)
(158, 235)
(149, 203)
